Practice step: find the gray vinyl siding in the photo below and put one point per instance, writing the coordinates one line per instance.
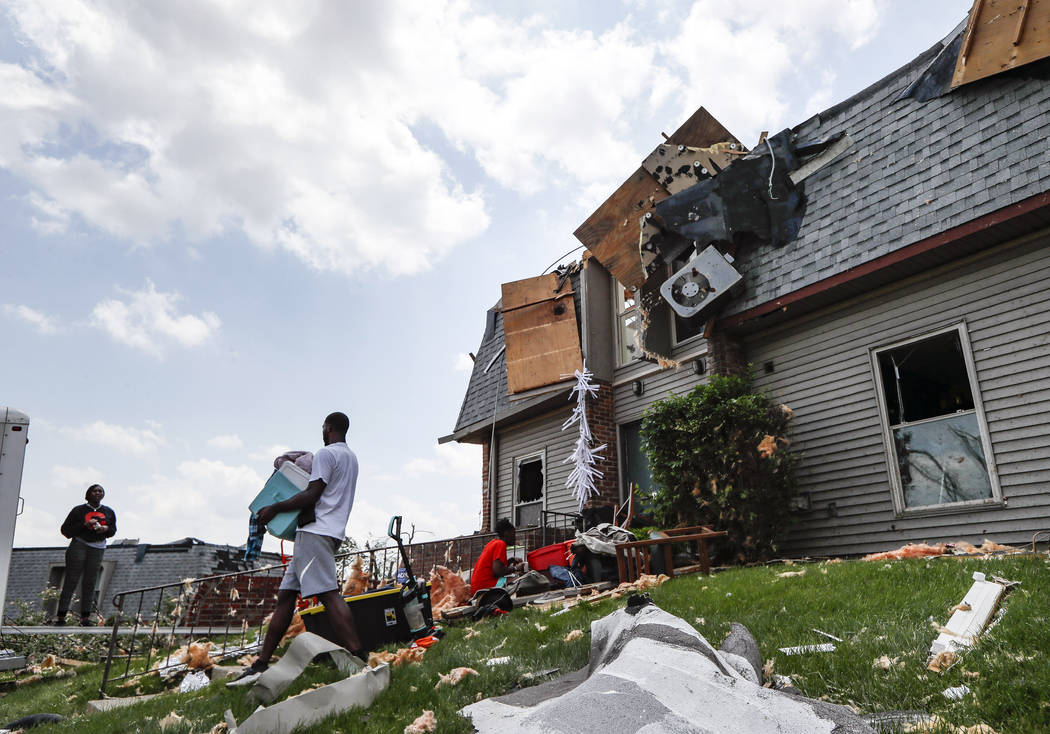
(527, 438)
(822, 371)
(628, 407)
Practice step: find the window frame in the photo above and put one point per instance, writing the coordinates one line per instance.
(892, 463)
(518, 461)
(620, 311)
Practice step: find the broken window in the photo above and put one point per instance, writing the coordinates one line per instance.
(628, 321)
(934, 426)
(529, 483)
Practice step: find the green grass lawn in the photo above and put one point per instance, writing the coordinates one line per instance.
(877, 608)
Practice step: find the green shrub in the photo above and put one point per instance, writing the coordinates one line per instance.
(719, 457)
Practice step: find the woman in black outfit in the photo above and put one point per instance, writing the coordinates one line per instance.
(88, 525)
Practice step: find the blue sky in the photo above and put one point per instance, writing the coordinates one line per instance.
(221, 221)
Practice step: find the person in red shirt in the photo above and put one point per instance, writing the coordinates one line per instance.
(493, 563)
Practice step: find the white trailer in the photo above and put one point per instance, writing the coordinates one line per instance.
(14, 435)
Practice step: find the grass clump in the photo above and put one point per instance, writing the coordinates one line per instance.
(876, 608)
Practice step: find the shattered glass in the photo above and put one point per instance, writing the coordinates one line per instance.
(942, 461)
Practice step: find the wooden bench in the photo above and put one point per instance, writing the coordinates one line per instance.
(634, 558)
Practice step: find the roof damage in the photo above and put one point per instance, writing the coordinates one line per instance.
(706, 234)
(543, 340)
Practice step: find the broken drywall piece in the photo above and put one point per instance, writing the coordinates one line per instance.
(803, 649)
(967, 623)
(304, 648)
(357, 691)
(498, 661)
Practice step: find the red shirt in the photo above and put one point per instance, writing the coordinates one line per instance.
(483, 578)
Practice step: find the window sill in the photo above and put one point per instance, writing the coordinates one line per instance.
(953, 509)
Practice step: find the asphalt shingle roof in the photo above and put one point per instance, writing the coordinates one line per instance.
(916, 169)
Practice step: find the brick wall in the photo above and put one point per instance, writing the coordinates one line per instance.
(603, 429)
(486, 504)
(727, 353)
(135, 566)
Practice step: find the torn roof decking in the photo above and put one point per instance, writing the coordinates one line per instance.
(1002, 35)
(916, 169)
(486, 395)
(611, 232)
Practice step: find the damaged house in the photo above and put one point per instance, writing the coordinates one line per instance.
(882, 267)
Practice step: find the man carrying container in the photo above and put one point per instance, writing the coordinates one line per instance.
(324, 509)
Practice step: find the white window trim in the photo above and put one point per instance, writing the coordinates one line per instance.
(518, 461)
(897, 491)
(619, 312)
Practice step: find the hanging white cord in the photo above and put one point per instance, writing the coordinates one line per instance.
(583, 456)
(772, 167)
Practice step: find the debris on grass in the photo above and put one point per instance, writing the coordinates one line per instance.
(970, 617)
(197, 656)
(447, 590)
(825, 634)
(574, 635)
(498, 661)
(357, 580)
(402, 656)
(471, 633)
(933, 724)
(454, 676)
(540, 627)
(424, 723)
(790, 574)
(885, 662)
(955, 693)
(172, 719)
(194, 681)
(802, 649)
(942, 661)
(909, 550)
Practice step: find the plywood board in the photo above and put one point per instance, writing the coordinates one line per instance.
(611, 232)
(542, 338)
(1002, 35)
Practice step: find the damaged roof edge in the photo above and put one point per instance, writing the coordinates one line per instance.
(475, 430)
(919, 63)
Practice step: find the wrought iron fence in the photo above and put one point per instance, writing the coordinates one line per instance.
(558, 526)
(234, 606)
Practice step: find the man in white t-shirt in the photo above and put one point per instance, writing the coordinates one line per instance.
(324, 508)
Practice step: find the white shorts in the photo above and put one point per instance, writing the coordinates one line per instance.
(312, 570)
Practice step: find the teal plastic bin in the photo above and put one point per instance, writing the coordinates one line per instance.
(286, 482)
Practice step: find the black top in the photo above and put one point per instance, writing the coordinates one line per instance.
(78, 521)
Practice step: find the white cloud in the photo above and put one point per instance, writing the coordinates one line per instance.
(749, 51)
(203, 498)
(149, 319)
(37, 319)
(447, 460)
(226, 442)
(463, 363)
(72, 477)
(137, 441)
(323, 128)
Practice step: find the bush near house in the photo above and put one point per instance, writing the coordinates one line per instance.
(719, 457)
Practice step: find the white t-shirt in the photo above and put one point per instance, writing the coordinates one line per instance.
(336, 465)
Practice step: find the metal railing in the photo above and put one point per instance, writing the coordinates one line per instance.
(558, 521)
(234, 606)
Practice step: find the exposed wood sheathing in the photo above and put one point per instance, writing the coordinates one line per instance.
(611, 232)
(543, 340)
(1001, 35)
